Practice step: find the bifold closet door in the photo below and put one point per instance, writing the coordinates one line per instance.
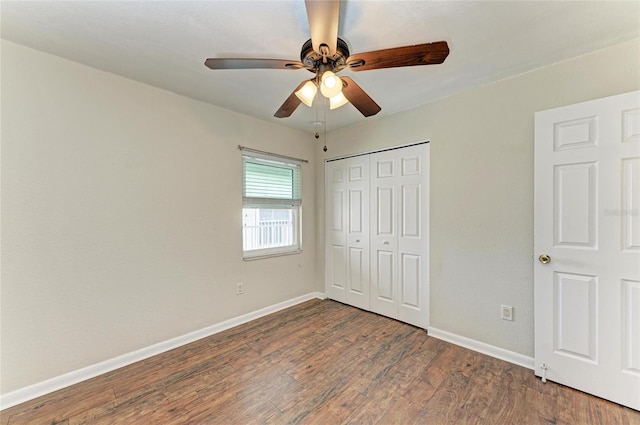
(335, 233)
(399, 237)
(376, 238)
(347, 253)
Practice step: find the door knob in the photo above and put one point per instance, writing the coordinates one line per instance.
(385, 243)
(357, 240)
(544, 258)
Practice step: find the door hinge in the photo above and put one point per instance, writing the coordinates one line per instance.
(544, 372)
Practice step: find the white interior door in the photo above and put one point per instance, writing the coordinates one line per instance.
(587, 247)
(336, 234)
(347, 253)
(384, 233)
(357, 227)
(413, 235)
(399, 234)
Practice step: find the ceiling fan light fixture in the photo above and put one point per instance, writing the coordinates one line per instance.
(330, 84)
(307, 93)
(337, 101)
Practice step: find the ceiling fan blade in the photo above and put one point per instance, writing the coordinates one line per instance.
(290, 104)
(323, 18)
(359, 98)
(239, 63)
(419, 54)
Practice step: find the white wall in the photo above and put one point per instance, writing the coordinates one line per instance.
(482, 187)
(121, 217)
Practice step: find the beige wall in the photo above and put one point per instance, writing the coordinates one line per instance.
(482, 187)
(121, 222)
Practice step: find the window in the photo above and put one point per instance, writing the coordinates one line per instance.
(271, 205)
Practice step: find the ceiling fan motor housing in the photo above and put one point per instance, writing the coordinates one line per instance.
(315, 62)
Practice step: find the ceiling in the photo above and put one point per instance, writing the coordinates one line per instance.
(165, 43)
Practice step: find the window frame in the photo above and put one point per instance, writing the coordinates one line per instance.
(291, 203)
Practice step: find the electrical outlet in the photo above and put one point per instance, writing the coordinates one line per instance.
(239, 288)
(506, 312)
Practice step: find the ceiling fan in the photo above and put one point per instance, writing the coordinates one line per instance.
(325, 54)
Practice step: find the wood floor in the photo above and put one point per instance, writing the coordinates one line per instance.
(323, 363)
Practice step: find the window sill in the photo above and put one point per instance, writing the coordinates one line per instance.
(275, 254)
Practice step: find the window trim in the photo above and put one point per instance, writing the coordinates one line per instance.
(294, 203)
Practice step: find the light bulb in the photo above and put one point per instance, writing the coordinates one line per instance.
(337, 101)
(331, 84)
(330, 80)
(307, 93)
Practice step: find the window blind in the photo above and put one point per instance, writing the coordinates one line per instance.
(271, 182)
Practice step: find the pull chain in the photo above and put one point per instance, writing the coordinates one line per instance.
(324, 121)
(316, 123)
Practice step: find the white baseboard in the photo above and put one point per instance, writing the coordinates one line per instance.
(76, 376)
(481, 347)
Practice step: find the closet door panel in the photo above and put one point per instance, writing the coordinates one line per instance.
(410, 280)
(383, 283)
(384, 209)
(413, 241)
(410, 225)
(357, 285)
(384, 241)
(384, 275)
(357, 232)
(335, 235)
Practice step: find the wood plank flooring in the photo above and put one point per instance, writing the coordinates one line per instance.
(324, 363)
